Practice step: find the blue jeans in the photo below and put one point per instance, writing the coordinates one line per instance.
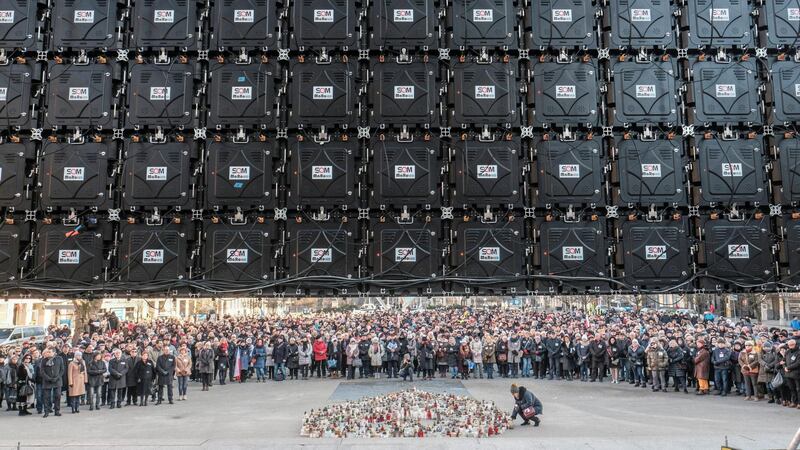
(638, 374)
(489, 370)
(453, 372)
(183, 383)
(721, 380)
(280, 367)
(526, 367)
(39, 393)
(260, 374)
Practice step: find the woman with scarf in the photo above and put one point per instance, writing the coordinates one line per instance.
(24, 377)
(76, 379)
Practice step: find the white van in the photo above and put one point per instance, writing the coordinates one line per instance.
(13, 336)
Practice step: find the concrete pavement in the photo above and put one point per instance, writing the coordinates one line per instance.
(268, 415)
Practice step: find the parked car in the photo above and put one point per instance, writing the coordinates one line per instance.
(14, 335)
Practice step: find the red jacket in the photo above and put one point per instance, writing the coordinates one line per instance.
(320, 350)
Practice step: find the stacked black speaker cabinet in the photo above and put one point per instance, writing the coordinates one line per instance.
(400, 147)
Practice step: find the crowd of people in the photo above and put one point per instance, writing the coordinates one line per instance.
(118, 364)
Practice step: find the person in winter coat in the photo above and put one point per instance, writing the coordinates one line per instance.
(5, 383)
(514, 355)
(221, 358)
(243, 357)
(407, 368)
(677, 366)
(118, 369)
(702, 364)
(292, 359)
(636, 358)
(183, 369)
(721, 358)
(791, 372)
(23, 379)
(767, 368)
(501, 353)
(476, 350)
(598, 350)
(583, 350)
(144, 370)
(464, 360)
(352, 353)
(205, 365)
(280, 354)
(131, 383)
(165, 369)
(489, 356)
(52, 369)
(451, 353)
(658, 362)
(526, 350)
(376, 353)
(553, 347)
(76, 377)
(425, 354)
(568, 355)
(320, 349)
(748, 365)
(538, 357)
(614, 357)
(526, 405)
(304, 357)
(260, 360)
(96, 370)
(392, 357)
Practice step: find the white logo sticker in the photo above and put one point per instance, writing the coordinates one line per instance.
(726, 90)
(405, 172)
(323, 93)
(78, 94)
(569, 171)
(403, 15)
(159, 93)
(487, 171)
(640, 15)
(491, 254)
(738, 251)
(793, 14)
(83, 16)
(482, 15)
(484, 92)
(565, 91)
(243, 16)
(241, 92)
(69, 256)
(720, 15)
(236, 173)
(164, 16)
(236, 256)
(651, 170)
(323, 15)
(731, 169)
(404, 254)
(73, 173)
(6, 16)
(404, 92)
(153, 256)
(321, 255)
(654, 252)
(572, 253)
(156, 174)
(3, 94)
(321, 172)
(645, 91)
(562, 15)
(796, 90)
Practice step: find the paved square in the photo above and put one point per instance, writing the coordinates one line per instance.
(268, 415)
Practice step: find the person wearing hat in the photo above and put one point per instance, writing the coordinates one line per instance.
(527, 406)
